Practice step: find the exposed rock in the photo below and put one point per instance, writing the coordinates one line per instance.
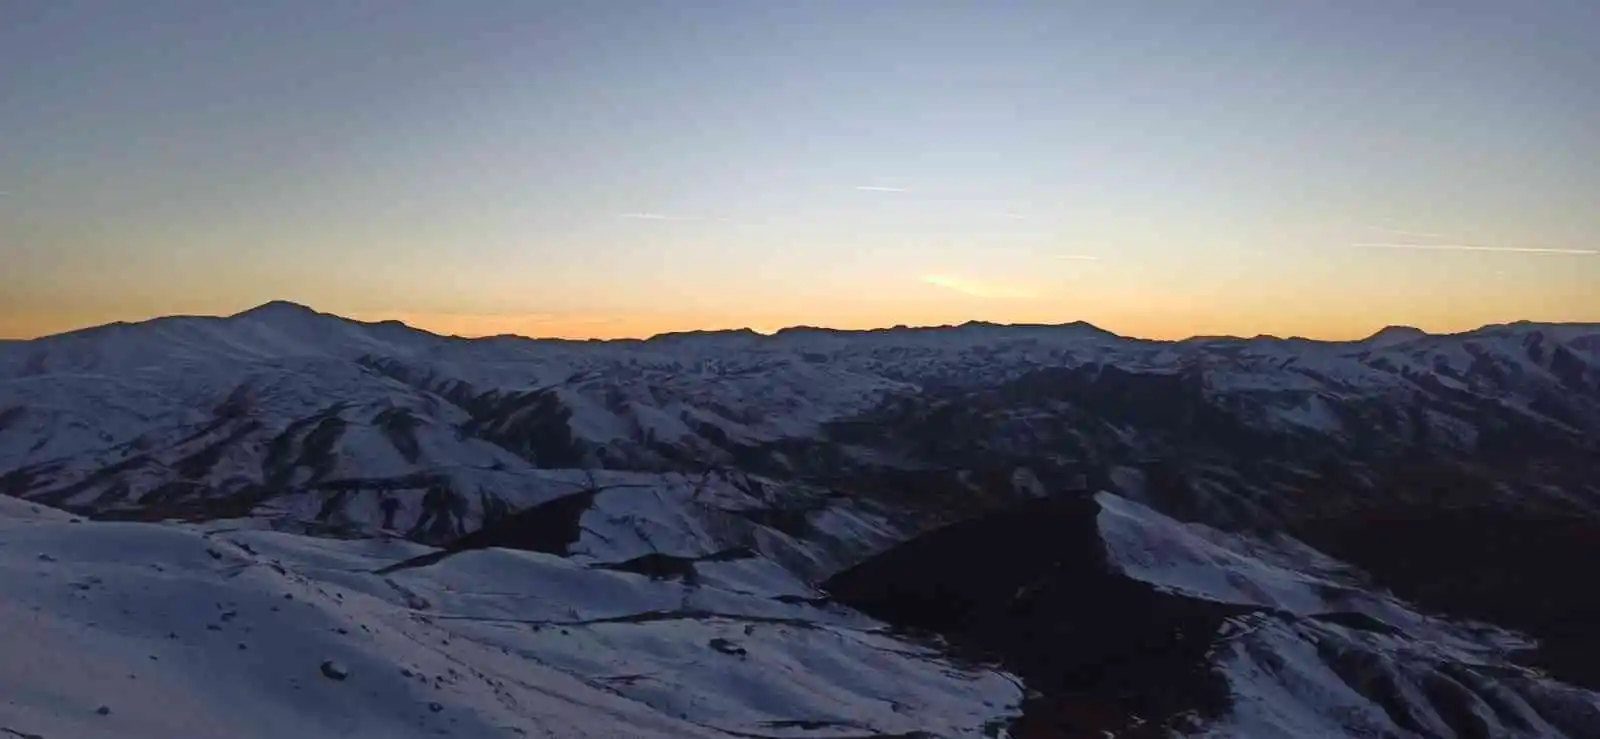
(334, 670)
(726, 646)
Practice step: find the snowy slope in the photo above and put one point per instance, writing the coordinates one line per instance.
(188, 416)
(181, 632)
(1327, 655)
(1127, 623)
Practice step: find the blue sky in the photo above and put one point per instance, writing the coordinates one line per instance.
(1158, 168)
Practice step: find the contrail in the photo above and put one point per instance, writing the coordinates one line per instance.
(874, 188)
(1083, 257)
(1465, 247)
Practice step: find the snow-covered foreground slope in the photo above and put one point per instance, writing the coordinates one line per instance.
(146, 630)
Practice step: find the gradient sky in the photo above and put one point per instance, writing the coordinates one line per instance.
(623, 168)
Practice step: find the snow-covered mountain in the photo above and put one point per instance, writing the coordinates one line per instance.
(1301, 510)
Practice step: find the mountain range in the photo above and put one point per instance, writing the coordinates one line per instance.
(974, 530)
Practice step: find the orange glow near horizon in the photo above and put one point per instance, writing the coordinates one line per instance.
(1289, 172)
(1163, 318)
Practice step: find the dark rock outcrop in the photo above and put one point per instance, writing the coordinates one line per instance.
(1030, 587)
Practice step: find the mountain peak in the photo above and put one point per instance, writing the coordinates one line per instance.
(1396, 335)
(729, 333)
(278, 308)
(1080, 326)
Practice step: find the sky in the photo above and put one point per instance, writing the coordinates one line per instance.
(603, 169)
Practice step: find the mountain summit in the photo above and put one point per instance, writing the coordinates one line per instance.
(1389, 335)
(277, 308)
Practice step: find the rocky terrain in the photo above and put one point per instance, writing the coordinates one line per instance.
(978, 530)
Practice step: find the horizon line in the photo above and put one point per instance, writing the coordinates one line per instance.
(777, 332)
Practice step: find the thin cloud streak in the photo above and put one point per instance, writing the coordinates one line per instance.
(976, 289)
(998, 203)
(658, 217)
(1467, 247)
(689, 219)
(1078, 257)
(876, 188)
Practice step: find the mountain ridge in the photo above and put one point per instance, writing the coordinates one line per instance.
(282, 307)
